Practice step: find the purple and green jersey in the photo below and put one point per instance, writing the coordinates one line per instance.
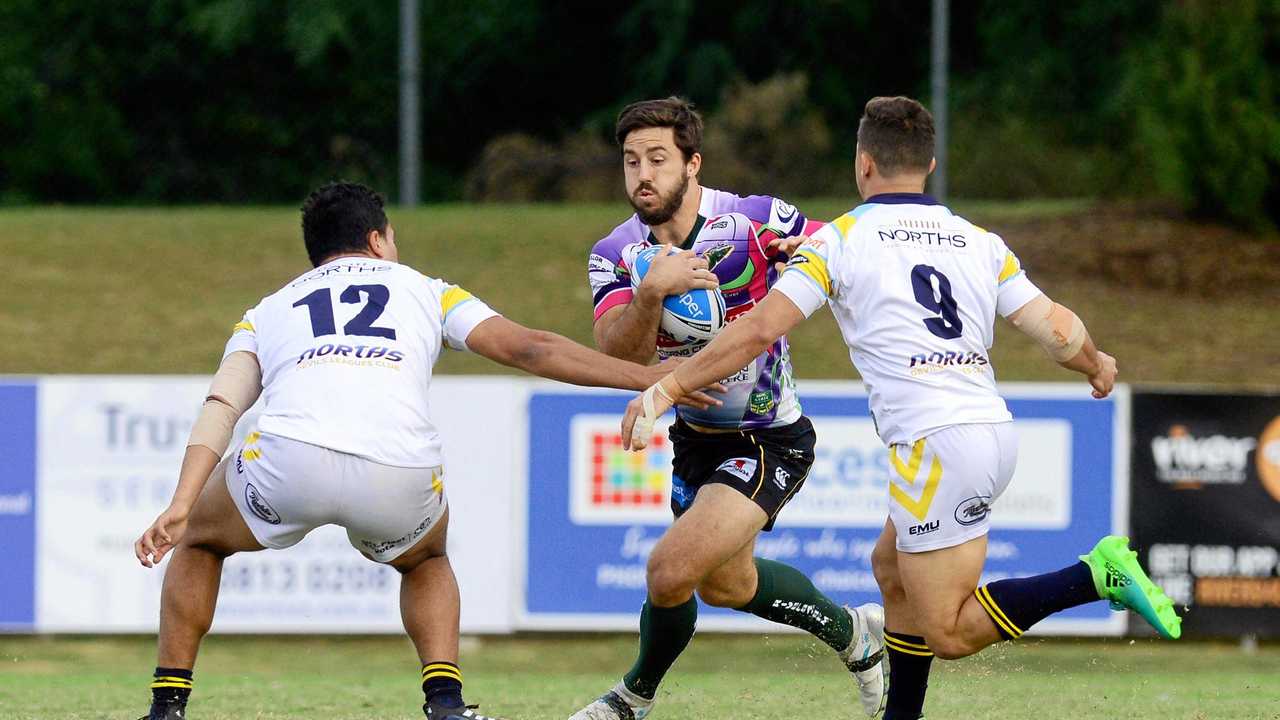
(728, 233)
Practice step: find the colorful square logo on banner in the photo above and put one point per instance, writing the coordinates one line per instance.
(613, 486)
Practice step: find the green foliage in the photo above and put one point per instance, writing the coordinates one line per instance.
(770, 137)
(764, 137)
(259, 100)
(1207, 106)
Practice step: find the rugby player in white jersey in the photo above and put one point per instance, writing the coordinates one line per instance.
(915, 290)
(342, 356)
(735, 466)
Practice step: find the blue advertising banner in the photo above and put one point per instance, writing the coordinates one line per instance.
(17, 505)
(595, 511)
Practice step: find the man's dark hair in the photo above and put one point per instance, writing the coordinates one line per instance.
(673, 112)
(898, 134)
(338, 218)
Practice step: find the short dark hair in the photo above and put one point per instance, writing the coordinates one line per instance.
(338, 217)
(673, 112)
(898, 134)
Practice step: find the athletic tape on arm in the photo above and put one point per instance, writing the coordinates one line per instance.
(1058, 330)
(235, 387)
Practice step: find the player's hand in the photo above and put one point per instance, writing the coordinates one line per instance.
(784, 247)
(1104, 380)
(674, 273)
(162, 536)
(698, 399)
(637, 423)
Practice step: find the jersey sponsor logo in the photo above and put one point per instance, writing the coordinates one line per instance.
(780, 478)
(974, 510)
(925, 528)
(939, 360)
(259, 506)
(1181, 457)
(717, 253)
(783, 213)
(922, 237)
(682, 494)
(760, 402)
(718, 224)
(602, 271)
(365, 352)
(742, 468)
(378, 548)
(356, 268)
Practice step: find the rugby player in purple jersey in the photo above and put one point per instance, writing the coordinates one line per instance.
(737, 464)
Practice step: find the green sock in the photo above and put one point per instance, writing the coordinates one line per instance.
(664, 633)
(784, 595)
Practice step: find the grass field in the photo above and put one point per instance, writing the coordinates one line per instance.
(718, 678)
(156, 290)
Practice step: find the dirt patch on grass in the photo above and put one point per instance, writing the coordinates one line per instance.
(1149, 247)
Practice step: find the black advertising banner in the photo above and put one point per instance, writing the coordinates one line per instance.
(1205, 508)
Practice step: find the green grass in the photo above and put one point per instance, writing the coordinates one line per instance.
(157, 290)
(536, 677)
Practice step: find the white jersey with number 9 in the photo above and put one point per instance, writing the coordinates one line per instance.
(347, 350)
(915, 290)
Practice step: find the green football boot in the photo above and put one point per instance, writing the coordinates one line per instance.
(1119, 578)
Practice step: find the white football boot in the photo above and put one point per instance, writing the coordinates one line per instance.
(617, 704)
(865, 656)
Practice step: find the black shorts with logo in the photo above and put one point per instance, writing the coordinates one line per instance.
(767, 465)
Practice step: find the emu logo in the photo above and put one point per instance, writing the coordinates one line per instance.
(925, 528)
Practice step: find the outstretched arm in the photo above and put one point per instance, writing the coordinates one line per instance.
(1062, 334)
(235, 387)
(556, 357)
(738, 344)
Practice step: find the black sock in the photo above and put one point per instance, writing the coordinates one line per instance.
(909, 661)
(786, 595)
(1017, 604)
(664, 633)
(170, 685)
(442, 683)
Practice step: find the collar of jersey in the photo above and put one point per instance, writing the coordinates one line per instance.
(688, 241)
(353, 258)
(901, 199)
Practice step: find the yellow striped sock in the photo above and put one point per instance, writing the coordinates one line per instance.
(1003, 624)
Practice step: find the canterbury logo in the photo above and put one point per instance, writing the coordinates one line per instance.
(1117, 579)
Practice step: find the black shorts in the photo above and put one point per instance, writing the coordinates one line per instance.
(767, 465)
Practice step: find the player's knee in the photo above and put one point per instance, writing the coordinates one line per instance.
(668, 583)
(884, 566)
(949, 645)
(725, 596)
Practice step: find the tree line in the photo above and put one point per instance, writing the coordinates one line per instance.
(161, 101)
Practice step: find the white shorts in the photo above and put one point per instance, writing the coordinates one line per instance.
(941, 488)
(286, 488)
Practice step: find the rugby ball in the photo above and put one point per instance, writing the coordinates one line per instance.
(689, 319)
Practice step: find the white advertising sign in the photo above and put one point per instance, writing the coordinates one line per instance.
(109, 453)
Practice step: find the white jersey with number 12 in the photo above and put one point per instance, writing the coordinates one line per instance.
(347, 350)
